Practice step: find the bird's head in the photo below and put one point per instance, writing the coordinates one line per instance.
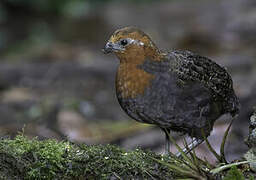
(130, 43)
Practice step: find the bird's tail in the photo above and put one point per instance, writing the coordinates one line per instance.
(233, 105)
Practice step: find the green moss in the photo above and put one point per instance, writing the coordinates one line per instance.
(22, 158)
(234, 174)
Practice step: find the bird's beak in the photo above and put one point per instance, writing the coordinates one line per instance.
(108, 48)
(112, 47)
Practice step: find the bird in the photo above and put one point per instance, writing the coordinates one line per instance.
(175, 90)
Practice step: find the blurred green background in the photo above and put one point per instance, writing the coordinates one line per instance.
(56, 83)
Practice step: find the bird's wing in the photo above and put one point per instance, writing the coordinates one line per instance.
(191, 67)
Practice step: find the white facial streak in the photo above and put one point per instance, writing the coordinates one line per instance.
(134, 41)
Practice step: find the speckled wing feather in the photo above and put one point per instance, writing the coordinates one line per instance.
(192, 67)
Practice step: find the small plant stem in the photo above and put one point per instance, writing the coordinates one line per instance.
(218, 157)
(222, 148)
(221, 168)
(184, 155)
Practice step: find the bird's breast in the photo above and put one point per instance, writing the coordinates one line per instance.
(132, 81)
(146, 97)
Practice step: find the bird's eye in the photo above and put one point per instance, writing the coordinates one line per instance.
(123, 42)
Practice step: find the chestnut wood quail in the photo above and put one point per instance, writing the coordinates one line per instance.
(177, 90)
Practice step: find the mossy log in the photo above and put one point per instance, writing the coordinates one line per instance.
(22, 158)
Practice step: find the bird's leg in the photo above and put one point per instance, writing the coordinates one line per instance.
(195, 142)
(167, 144)
(167, 141)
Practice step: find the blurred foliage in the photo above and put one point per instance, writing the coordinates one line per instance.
(45, 6)
(29, 26)
(60, 6)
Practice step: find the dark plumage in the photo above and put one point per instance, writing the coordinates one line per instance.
(176, 90)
